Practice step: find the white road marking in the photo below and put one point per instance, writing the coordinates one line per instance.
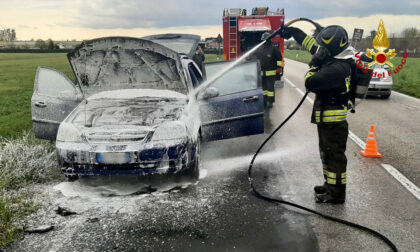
(403, 180)
(412, 188)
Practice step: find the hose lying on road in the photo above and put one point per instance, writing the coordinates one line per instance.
(261, 196)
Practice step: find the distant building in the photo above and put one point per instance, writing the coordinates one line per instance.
(212, 43)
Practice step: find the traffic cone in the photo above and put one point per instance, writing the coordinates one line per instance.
(371, 149)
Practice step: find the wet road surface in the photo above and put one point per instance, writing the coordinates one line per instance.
(220, 213)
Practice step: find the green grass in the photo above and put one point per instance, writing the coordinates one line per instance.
(23, 161)
(213, 58)
(298, 55)
(406, 81)
(17, 72)
(12, 208)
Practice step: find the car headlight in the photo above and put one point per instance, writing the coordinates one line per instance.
(170, 130)
(69, 133)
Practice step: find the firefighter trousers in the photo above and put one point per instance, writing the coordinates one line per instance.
(332, 147)
(268, 88)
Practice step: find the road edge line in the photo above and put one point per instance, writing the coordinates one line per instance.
(404, 181)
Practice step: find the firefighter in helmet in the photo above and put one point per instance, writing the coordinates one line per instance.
(329, 78)
(270, 59)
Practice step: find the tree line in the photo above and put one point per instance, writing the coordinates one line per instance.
(8, 35)
(49, 44)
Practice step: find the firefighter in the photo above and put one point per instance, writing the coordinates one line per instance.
(271, 60)
(329, 79)
(199, 59)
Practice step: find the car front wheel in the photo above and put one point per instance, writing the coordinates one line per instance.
(194, 170)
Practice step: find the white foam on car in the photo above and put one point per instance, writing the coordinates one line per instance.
(136, 93)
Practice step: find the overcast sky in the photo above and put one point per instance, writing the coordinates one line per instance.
(86, 19)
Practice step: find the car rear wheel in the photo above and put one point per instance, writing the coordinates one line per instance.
(385, 96)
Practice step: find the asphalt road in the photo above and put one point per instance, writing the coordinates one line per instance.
(220, 213)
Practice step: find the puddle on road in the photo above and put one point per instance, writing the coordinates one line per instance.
(100, 187)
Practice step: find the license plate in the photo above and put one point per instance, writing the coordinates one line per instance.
(113, 157)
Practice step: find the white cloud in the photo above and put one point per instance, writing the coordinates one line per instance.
(81, 19)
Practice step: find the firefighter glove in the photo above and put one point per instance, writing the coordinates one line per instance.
(311, 72)
(287, 32)
(278, 75)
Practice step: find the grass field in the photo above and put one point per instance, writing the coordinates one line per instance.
(406, 81)
(17, 72)
(213, 58)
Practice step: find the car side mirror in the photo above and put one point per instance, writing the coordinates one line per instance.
(210, 92)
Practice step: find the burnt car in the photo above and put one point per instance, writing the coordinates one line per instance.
(133, 110)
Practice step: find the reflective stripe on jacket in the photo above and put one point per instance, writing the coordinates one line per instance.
(269, 73)
(270, 58)
(268, 93)
(331, 84)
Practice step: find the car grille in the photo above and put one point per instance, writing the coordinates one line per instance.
(106, 137)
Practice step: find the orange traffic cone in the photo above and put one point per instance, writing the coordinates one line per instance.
(371, 149)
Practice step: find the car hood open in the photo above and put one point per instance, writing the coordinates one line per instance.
(112, 63)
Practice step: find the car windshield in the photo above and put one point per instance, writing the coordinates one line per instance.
(178, 45)
(146, 111)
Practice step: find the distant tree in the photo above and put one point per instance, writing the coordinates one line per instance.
(410, 32)
(50, 44)
(8, 35)
(41, 44)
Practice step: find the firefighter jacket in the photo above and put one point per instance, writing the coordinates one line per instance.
(331, 84)
(270, 59)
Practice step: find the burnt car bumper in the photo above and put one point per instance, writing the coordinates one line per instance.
(85, 159)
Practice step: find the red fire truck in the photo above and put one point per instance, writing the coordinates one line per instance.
(242, 32)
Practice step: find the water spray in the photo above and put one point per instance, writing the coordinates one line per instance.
(273, 200)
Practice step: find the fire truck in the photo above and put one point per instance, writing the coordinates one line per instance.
(242, 32)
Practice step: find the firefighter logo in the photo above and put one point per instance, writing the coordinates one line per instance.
(381, 44)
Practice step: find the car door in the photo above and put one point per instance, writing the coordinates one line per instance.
(54, 97)
(238, 109)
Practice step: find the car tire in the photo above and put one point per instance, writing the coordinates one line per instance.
(385, 96)
(194, 170)
(72, 177)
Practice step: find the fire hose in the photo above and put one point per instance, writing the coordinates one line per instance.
(273, 200)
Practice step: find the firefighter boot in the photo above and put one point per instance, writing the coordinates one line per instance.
(333, 195)
(320, 189)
